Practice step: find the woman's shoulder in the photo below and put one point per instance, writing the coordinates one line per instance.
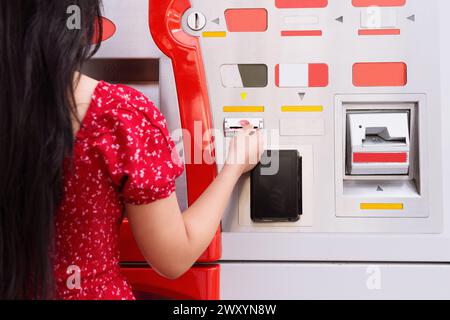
(131, 136)
(117, 97)
(116, 105)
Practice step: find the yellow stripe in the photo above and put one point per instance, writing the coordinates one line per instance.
(214, 34)
(243, 109)
(302, 108)
(382, 206)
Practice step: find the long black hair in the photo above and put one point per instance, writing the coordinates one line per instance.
(43, 43)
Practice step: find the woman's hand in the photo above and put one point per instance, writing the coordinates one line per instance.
(245, 150)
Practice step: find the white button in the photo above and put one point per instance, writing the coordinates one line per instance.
(378, 18)
(302, 20)
(293, 76)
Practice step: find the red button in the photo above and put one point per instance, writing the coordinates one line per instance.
(301, 33)
(379, 32)
(380, 74)
(379, 3)
(318, 75)
(291, 4)
(246, 20)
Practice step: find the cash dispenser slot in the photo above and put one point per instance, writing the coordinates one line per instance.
(276, 187)
(378, 143)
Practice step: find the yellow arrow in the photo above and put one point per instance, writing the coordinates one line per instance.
(244, 96)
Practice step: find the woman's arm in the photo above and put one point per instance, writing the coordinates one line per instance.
(171, 241)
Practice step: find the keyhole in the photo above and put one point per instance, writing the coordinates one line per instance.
(197, 21)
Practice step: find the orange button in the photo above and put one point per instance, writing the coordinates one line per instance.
(318, 75)
(292, 4)
(379, 32)
(246, 20)
(380, 74)
(301, 33)
(379, 3)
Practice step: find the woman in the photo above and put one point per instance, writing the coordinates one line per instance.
(76, 154)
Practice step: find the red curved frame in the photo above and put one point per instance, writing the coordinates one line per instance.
(165, 20)
(199, 283)
(193, 98)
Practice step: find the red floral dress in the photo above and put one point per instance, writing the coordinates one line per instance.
(123, 154)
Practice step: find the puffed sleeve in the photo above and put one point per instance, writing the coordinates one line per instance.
(137, 150)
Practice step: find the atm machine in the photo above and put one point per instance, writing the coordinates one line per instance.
(352, 97)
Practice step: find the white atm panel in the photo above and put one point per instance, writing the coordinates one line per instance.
(347, 57)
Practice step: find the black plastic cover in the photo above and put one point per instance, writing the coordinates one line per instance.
(276, 187)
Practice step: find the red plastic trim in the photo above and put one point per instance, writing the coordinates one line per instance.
(301, 33)
(129, 250)
(380, 157)
(199, 283)
(109, 30)
(379, 32)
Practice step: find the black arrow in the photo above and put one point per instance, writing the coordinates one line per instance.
(412, 18)
(340, 19)
(216, 21)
